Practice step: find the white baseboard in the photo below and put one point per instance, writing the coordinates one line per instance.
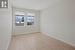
(24, 33)
(69, 43)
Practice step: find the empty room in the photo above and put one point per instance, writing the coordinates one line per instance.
(37, 24)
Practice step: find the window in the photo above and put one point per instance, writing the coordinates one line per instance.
(19, 19)
(30, 19)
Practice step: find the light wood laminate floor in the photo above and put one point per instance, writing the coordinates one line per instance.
(37, 41)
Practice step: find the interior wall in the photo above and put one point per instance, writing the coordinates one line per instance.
(58, 21)
(26, 29)
(5, 27)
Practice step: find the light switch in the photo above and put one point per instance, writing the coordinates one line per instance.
(3, 3)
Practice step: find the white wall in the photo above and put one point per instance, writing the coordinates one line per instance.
(5, 27)
(58, 21)
(26, 29)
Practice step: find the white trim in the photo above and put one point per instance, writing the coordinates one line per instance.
(69, 43)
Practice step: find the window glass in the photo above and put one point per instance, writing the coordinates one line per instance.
(19, 20)
(30, 19)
